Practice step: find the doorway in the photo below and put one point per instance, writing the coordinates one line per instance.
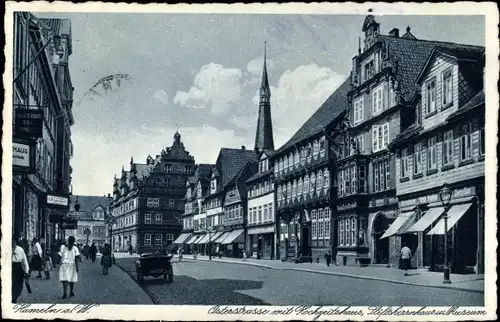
(380, 246)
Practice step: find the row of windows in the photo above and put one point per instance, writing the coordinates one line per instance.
(380, 137)
(317, 148)
(446, 83)
(125, 207)
(320, 223)
(261, 214)
(381, 174)
(158, 239)
(94, 231)
(199, 224)
(447, 151)
(158, 219)
(155, 203)
(167, 182)
(167, 168)
(308, 184)
(233, 212)
(188, 223)
(352, 180)
(126, 221)
(260, 188)
(378, 98)
(348, 231)
(213, 203)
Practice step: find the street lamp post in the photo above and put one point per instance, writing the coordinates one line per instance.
(87, 233)
(445, 197)
(210, 243)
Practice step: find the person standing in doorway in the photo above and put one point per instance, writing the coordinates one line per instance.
(36, 259)
(328, 258)
(20, 269)
(93, 252)
(405, 258)
(68, 273)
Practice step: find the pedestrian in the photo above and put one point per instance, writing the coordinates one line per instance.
(328, 258)
(36, 259)
(405, 258)
(20, 269)
(86, 250)
(68, 273)
(93, 252)
(181, 250)
(244, 255)
(47, 265)
(130, 249)
(106, 259)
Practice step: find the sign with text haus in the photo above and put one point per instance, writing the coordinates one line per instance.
(28, 123)
(23, 156)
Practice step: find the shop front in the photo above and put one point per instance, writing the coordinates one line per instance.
(234, 243)
(262, 241)
(463, 216)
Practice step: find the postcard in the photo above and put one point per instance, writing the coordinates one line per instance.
(250, 161)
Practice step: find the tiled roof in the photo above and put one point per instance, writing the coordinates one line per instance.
(247, 171)
(476, 101)
(259, 175)
(88, 203)
(409, 132)
(231, 161)
(203, 170)
(327, 113)
(411, 56)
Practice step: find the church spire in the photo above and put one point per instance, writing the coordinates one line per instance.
(265, 91)
(264, 136)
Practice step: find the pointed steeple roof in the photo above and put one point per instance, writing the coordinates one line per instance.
(264, 87)
(264, 135)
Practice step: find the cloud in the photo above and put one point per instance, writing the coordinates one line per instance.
(254, 67)
(161, 95)
(215, 87)
(232, 93)
(94, 167)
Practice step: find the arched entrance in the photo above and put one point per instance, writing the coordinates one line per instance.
(380, 246)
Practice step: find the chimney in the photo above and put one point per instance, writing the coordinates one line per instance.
(109, 195)
(243, 147)
(394, 33)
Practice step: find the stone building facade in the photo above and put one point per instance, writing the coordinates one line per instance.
(148, 200)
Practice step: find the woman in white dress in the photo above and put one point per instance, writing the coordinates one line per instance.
(68, 272)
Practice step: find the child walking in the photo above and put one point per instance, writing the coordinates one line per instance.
(47, 265)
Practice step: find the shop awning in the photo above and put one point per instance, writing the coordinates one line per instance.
(200, 239)
(182, 238)
(236, 236)
(261, 230)
(400, 224)
(216, 235)
(221, 238)
(454, 215)
(193, 239)
(209, 237)
(428, 219)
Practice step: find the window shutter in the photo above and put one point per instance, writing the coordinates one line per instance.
(385, 97)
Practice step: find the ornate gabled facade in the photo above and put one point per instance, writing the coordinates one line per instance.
(444, 144)
(148, 199)
(384, 92)
(304, 185)
(196, 187)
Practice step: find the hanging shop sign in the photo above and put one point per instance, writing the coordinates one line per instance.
(28, 122)
(23, 156)
(58, 201)
(69, 224)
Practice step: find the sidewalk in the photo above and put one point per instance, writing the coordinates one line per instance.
(92, 287)
(420, 277)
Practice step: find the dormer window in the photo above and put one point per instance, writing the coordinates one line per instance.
(213, 185)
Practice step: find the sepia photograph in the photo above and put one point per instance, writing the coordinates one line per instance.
(244, 164)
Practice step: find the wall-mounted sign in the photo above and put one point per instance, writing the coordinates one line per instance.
(69, 224)
(57, 201)
(29, 122)
(23, 156)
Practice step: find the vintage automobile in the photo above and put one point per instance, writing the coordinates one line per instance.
(154, 264)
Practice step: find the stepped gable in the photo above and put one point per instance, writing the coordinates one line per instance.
(332, 108)
(230, 162)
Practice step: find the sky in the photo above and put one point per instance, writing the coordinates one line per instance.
(200, 74)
